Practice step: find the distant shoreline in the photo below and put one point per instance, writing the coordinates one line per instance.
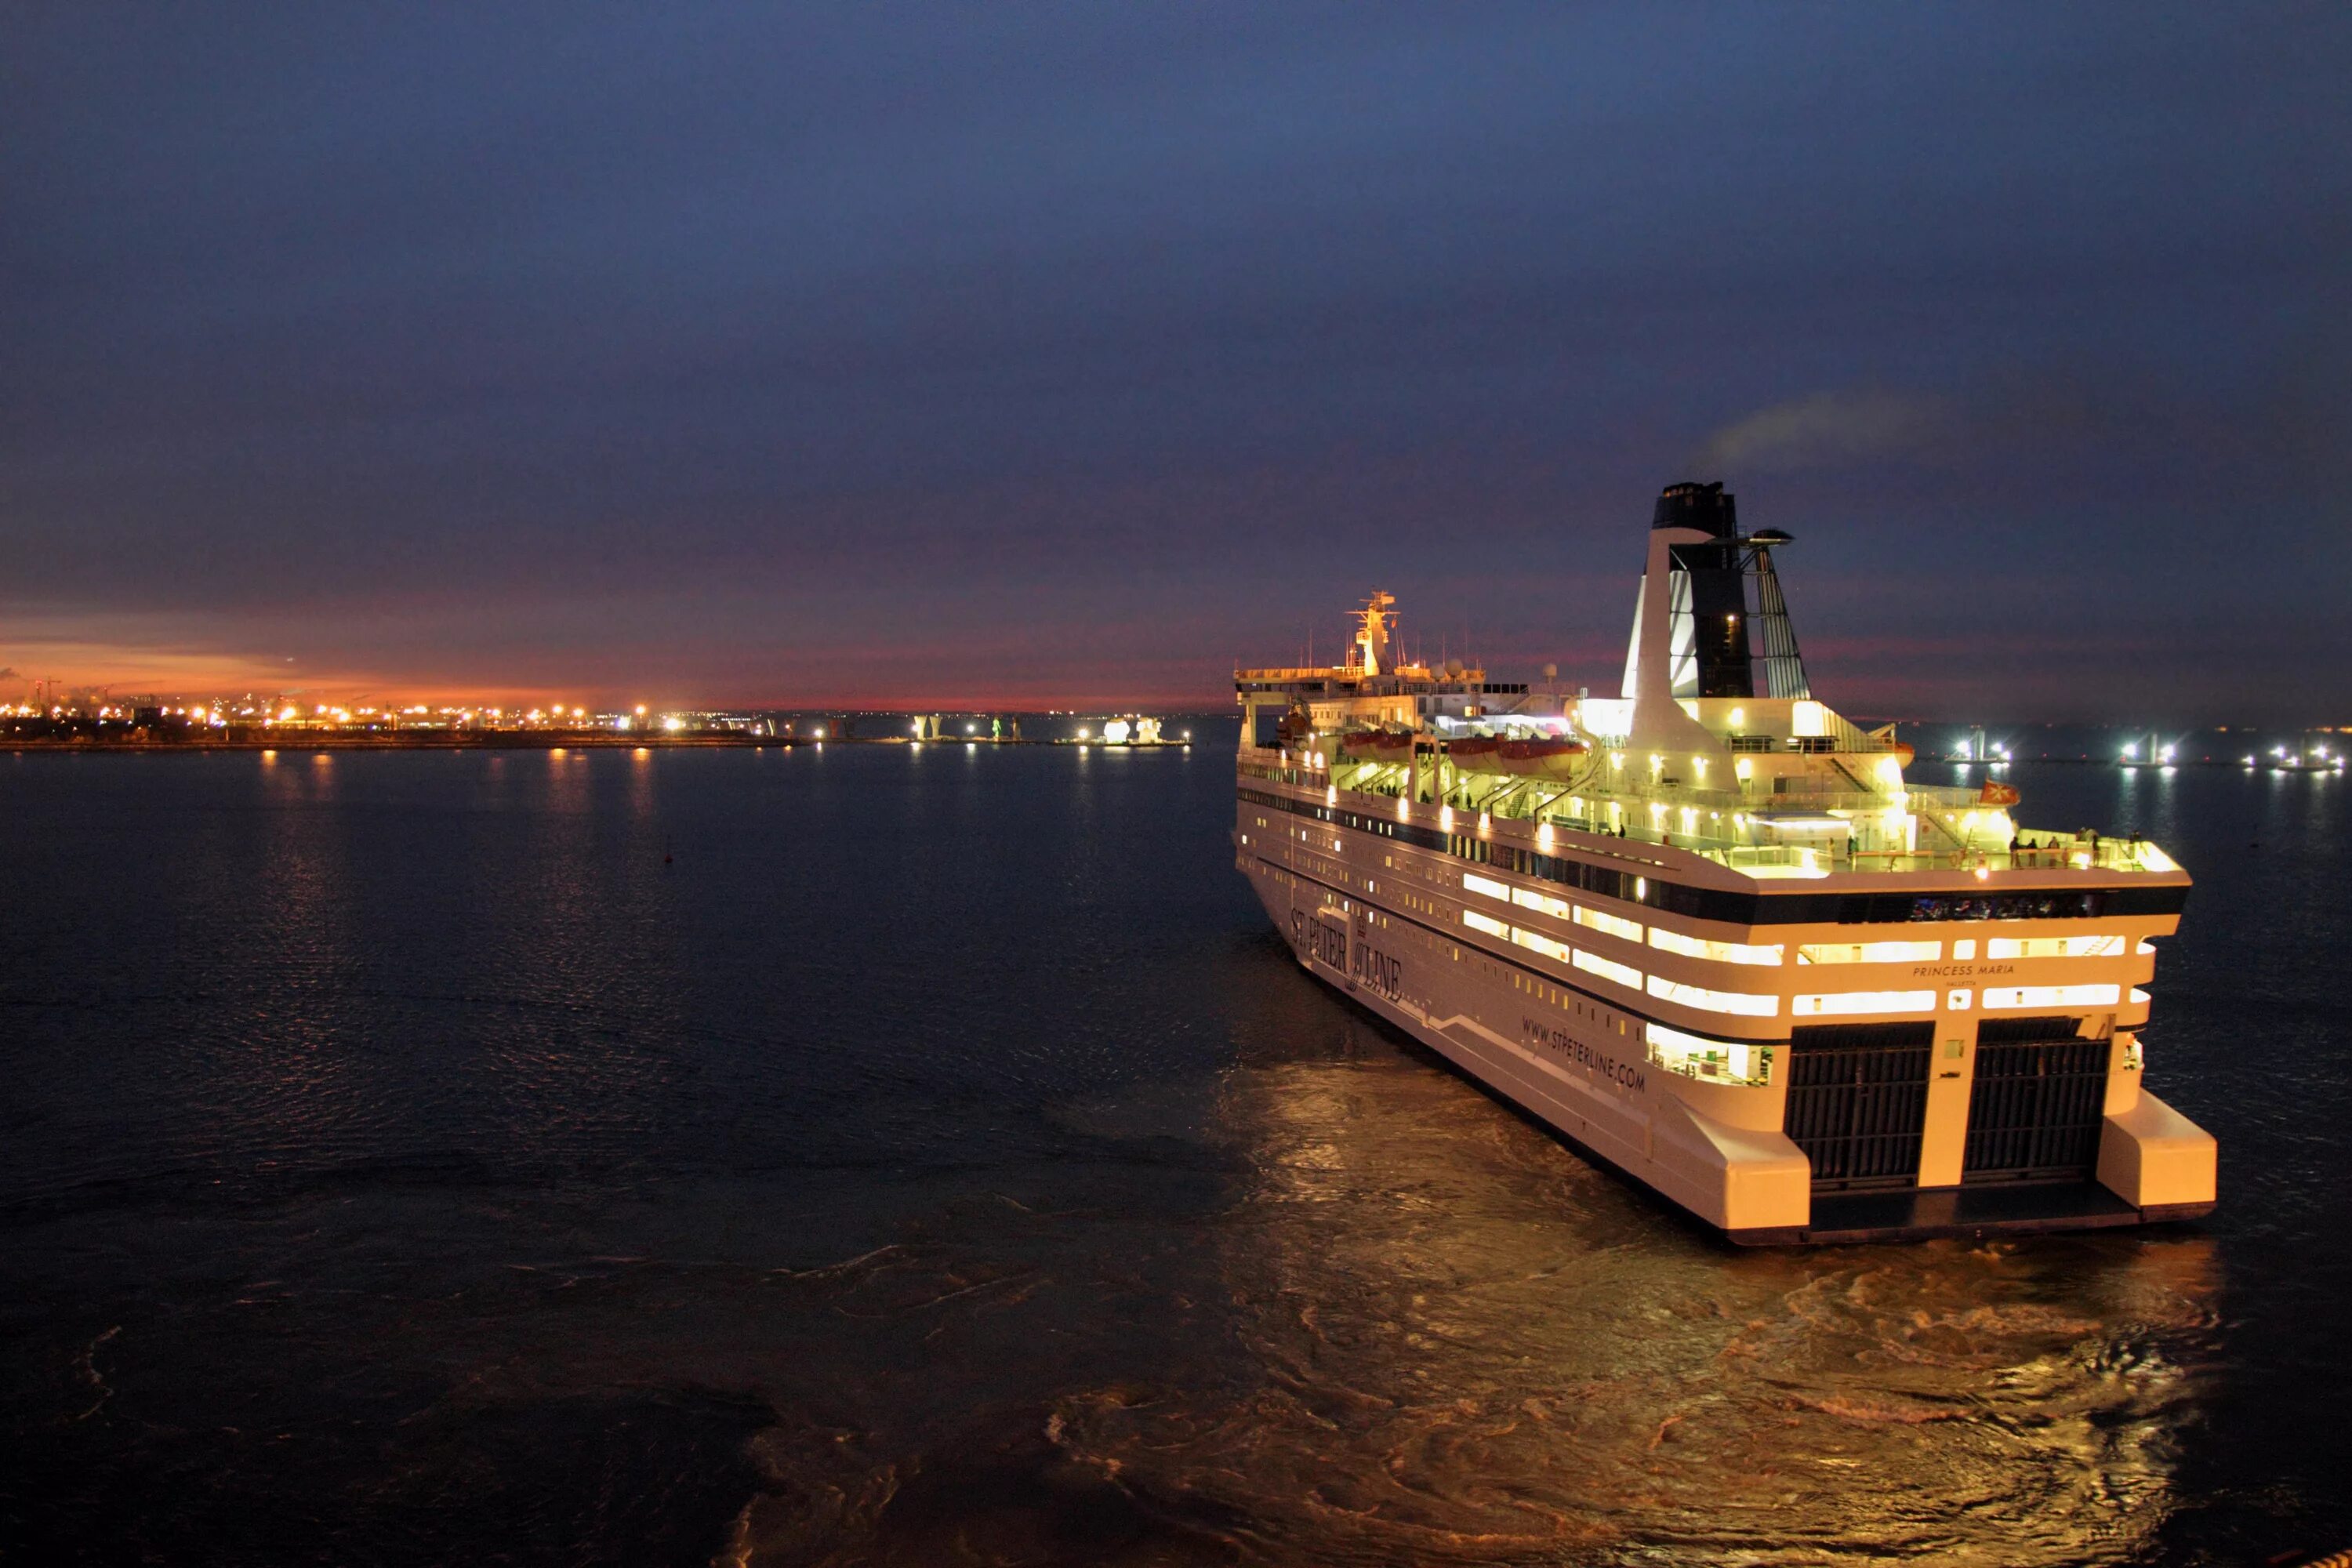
(501, 741)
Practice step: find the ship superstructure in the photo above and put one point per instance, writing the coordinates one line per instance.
(1708, 931)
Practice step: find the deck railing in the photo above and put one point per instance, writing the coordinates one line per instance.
(1546, 801)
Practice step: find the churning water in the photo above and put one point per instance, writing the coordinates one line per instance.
(883, 1155)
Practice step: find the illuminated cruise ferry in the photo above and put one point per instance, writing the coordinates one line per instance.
(1708, 931)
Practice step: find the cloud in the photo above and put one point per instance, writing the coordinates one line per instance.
(1828, 427)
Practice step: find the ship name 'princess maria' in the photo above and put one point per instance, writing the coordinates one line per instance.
(1710, 933)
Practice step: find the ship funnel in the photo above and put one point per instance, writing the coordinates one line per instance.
(1727, 631)
(1702, 507)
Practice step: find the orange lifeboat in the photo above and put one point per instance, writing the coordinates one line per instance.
(1550, 757)
(1380, 746)
(1998, 794)
(1476, 754)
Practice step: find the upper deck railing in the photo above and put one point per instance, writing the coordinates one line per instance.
(1723, 822)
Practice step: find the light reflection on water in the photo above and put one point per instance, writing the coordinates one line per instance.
(1466, 1348)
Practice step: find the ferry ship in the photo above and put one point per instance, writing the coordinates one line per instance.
(1708, 931)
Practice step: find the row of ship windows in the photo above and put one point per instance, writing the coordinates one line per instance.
(1963, 950)
(1743, 1003)
(1672, 1050)
(1732, 1061)
(1753, 1004)
(1724, 1061)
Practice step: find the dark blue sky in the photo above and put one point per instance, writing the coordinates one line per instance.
(1063, 353)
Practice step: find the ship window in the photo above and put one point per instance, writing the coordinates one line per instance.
(1740, 1002)
(1629, 930)
(1538, 943)
(2054, 947)
(1866, 1001)
(1544, 903)
(1487, 923)
(1695, 1056)
(2053, 996)
(1870, 952)
(1622, 973)
(1722, 952)
(1474, 883)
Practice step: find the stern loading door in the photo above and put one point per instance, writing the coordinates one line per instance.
(1858, 1102)
(2037, 1104)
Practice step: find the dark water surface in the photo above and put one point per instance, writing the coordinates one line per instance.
(939, 1160)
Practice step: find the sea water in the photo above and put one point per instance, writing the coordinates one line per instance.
(924, 1154)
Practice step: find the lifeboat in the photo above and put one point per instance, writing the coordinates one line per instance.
(1995, 794)
(1476, 754)
(1385, 747)
(1550, 757)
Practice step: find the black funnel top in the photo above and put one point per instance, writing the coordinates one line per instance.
(1693, 505)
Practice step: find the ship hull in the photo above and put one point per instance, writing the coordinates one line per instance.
(1359, 920)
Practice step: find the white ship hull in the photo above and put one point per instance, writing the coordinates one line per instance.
(1383, 922)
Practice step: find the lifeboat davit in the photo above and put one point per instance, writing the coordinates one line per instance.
(1549, 757)
(1998, 794)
